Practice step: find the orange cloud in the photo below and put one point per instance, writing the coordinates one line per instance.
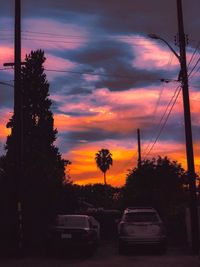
(84, 169)
(6, 54)
(148, 53)
(5, 115)
(113, 116)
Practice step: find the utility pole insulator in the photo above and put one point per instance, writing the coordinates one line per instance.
(176, 40)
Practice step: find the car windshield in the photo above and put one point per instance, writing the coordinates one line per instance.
(141, 217)
(73, 221)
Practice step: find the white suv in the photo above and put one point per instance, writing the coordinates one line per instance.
(141, 225)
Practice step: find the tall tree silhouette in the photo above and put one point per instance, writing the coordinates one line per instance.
(160, 183)
(43, 168)
(151, 183)
(104, 160)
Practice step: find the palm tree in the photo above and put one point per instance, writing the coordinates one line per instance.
(103, 160)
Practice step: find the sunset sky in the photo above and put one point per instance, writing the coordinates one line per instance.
(105, 78)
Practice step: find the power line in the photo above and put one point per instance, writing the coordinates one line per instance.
(51, 39)
(97, 74)
(159, 124)
(158, 102)
(162, 127)
(163, 87)
(192, 74)
(197, 62)
(125, 165)
(192, 57)
(90, 73)
(81, 42)
(79, 36)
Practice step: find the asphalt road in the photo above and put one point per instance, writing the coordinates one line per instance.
(107, 256)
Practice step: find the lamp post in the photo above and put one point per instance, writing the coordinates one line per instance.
(183, 77)
(155, 36)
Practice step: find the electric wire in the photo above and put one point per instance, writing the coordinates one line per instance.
(96, 74)
(163, 116)
(194, 72)
(158, 102)
(163, 87)
(27, 32)
(51, 39)
(89, 73)
(192, 57)
(82, 42)
(126, 164)
(166, 119)
(197, 62)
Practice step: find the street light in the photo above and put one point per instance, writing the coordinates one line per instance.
(157, 37)
(183, 78)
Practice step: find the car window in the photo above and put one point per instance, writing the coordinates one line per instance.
(141, 217)
(73, 221)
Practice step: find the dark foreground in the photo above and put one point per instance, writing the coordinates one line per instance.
(107, 256)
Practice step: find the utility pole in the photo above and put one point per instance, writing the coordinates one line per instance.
(139, 148)
(188, 132)
(17, 129)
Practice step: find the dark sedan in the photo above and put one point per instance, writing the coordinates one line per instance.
(74, 232)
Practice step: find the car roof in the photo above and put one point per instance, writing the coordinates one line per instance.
(73, 215)
(139, 209)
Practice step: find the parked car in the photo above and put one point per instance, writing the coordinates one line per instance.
(74, 232)
(141, 226)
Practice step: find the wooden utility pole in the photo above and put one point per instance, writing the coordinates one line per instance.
(139, 148)
(17, 128)
(188, 132)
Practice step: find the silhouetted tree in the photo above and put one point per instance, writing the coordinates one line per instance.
(67, 179)
(94, 194)
(43, 167)
(158, 182)
(104, 161)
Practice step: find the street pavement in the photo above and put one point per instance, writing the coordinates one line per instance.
(108, 256)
